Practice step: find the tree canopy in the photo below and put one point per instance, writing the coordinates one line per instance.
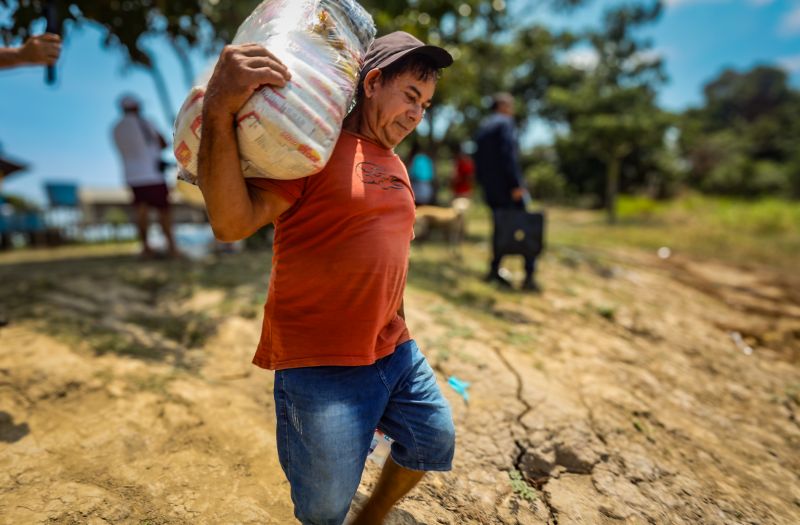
(611, 134)
(743, 139)
(189, 23)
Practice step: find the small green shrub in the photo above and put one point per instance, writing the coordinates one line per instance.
(545, 182)
(519, 486)
(637, 207)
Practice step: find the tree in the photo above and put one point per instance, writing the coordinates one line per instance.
(610, 112)
(493, 52)
(186, 23)
(742, 141)
(477, 32)
(465, 29)
(733, 97)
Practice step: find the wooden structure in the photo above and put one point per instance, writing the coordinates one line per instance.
(102, 205)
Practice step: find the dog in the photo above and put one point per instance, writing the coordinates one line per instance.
(450, 221)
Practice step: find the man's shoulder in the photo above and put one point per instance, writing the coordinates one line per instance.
(350, 148)
(122, 125)
(148, 123)
(504, 121)
(494, 123)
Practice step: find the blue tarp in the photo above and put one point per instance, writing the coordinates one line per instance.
(62, 194)
(22, 222)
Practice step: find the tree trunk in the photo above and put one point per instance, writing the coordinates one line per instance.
(612, 188)
(186, 63)
(162, 90)
(433, 143)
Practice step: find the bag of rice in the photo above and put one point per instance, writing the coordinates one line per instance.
(290, 132)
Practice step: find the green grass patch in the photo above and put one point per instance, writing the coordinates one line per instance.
(189, 330)
(750, 233)
(521, 340)
(519, 486)
(606, 311)
(630, 207)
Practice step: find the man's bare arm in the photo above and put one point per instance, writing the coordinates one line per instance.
(37, 50)
(235, 209)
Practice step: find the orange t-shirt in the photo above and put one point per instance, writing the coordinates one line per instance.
(340, 260)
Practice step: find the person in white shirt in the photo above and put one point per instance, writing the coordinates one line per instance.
(139, 145)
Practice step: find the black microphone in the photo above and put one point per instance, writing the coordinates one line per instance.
(53, 26)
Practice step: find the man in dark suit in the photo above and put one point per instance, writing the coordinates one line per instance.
(499, 174)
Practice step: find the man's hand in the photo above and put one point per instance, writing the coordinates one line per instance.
(241, 70)
(40, 50)
(235, 209)
(517, 194)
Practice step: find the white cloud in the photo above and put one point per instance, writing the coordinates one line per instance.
(584, 58)
(790, 25)
(678, 3)
(791, 63)
(651, 55)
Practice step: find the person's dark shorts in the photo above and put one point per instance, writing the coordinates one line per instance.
(155, 195)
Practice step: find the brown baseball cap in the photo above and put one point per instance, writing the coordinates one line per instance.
(389, 48)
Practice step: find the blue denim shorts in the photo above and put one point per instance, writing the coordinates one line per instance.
(326, 418)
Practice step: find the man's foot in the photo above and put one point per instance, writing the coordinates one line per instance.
(176, 255)
(394, 483)
(529, 285)
(494, 277)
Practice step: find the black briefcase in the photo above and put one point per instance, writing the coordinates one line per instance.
(519, 232)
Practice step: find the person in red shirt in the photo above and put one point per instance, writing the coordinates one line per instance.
(334, 328)
(464, 173)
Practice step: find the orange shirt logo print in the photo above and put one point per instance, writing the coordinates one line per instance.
(371, 173)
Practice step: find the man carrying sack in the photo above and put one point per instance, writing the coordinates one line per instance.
(334, 329)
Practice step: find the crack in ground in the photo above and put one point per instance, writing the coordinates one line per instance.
(551, 510)
(592, 423)
(536, 483)
(792, 417)
(19, 391)
(518, 377)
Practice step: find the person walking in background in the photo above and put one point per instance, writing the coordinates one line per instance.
(421, 173)
(139, 145)
(39, 50)
(334, 325)
(463, 173)
(499, 173)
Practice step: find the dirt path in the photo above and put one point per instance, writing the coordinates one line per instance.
(632, 391)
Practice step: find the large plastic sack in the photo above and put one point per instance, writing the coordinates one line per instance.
(290, 132)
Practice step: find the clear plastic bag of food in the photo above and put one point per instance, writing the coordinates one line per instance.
(290, 132)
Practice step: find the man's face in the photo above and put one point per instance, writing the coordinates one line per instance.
(396, 107)
(506, 107)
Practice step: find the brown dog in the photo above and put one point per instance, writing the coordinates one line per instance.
(450, 221)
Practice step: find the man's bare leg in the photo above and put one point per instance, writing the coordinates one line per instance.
(394, 483)
(165, 218)
(142, 223)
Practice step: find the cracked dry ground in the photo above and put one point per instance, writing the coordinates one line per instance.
(619, 395)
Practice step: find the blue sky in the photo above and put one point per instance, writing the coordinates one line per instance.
(63, 131)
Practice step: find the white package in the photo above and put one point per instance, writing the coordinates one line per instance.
(290, 132)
